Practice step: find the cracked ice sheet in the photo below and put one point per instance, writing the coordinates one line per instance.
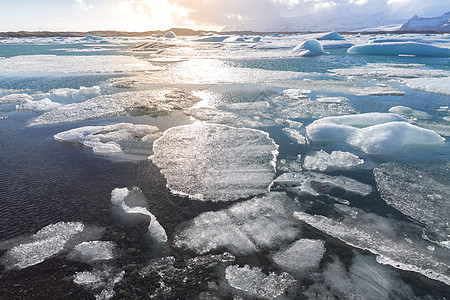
(125, 103)
(349, 87)
(418, 194)
(394, 242)
(209, 71)
(245, 228)
(74, 64)
(210, 162)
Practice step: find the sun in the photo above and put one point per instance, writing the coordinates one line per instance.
(144, 15)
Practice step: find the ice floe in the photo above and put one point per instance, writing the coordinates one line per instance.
(315, 184)
(252, 283)
(309, 48)
(400, 48)
(363, 279)
(417, 194)
(50, 241)
(409, 112)
(373, 133)
(245, 228)
(133, 207)
(38, 106)
(89, 252)
(336, 160)
(100, 281)
(84, 91)
(295, 135)
(74, 64)
(136, 102)
(211, 162)
(300, 257)
(123, 140)
(14, 98)
(395, 243)
(434, 85)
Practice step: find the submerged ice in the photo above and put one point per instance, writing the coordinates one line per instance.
(211, 162)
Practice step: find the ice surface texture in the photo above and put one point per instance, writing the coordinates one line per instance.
(137, 102)
(74, 64)
(395, 243)
(245, 228)
(417, 194)
(403, 48)
(253, 283)
(115, 139)
(48, 242)
(210, 162)
(373, 133)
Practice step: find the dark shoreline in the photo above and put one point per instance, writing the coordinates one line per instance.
(177, 31)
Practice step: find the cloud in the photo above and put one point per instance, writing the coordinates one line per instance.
(82, 5)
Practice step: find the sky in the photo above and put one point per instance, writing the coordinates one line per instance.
(143, 15)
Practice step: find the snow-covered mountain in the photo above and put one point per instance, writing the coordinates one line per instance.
(441, 23)
(313, 23)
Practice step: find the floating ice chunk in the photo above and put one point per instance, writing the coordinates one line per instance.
(137, 102)
(391, 137)
(245, 228)
(74, 64)
(332, 99)
(381, 134)
(336, 160)
(379, 235)
(434, 85)
(300, 257)
(331, 36)
(402, 48)
(212, 38)
(89, 252)
(363, 279)
(85, 91)
(133, 202)
(316, 184)
(48, 242)
(309, 48)
(170, 35)
(417, 194)
(38, 106)
(253, 283)
(210, 162)
(295, 135)
(13, 98)
(123, 138)
(409, 112)
(101, 281)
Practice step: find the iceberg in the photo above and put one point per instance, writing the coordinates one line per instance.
(334, 36)
(124, 139)
(252, 283)
(211, 162)
(84, 91)
(309, 48)
(401, 48)
(262, 223)
(409, 112)
(38, 106)
(373, 133)
(434, 85)
(170, 35)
